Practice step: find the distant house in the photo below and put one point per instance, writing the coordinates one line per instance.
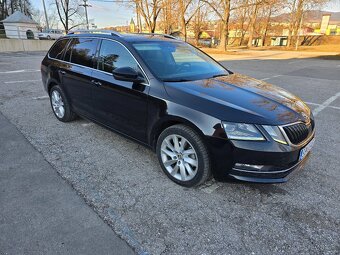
(19, 26)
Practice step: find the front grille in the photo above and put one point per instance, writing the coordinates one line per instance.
(297, 133)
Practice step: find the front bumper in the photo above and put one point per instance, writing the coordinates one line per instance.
(267, 176)
(276, 162)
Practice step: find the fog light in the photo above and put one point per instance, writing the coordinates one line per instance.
(249, 167)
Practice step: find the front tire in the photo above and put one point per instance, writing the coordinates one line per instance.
(60, 105)
(183, 156)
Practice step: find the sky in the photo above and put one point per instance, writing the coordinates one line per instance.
(112, 14)
(103, 13)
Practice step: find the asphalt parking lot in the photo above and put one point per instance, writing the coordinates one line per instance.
(123, 183)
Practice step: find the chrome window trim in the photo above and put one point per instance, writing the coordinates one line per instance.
(304, 142)
(102, 38)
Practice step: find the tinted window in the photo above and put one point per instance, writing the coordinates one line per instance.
(113, 55)
(57, 49)
(81, 51)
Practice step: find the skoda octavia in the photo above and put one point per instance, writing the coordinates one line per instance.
(201, 119)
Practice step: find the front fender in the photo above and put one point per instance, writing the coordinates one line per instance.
(166, 113)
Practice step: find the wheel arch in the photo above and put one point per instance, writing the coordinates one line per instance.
(50, 84)
(169, 121)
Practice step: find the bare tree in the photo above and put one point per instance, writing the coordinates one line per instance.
(186, 14)
(68, 12)
(199, 22)
(169, 17)
(7, 7)
(149, 10)
(241, 17)
(255, 9)
(3, 9)
(298, 7)
(39, 17)
(222, 10)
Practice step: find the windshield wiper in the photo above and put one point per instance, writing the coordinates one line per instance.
(219, 75)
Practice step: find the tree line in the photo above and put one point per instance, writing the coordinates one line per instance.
(244, 16)
(7, 7)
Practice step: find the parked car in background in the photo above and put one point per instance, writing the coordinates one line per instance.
(51, 34)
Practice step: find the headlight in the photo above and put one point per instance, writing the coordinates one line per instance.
(275, 133)
(242, 131)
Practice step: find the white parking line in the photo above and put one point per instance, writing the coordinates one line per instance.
(20, 71)
(9, 82)
(41, 97)
(87, 124)
(325, 104)
(267, 78)
(330, 106)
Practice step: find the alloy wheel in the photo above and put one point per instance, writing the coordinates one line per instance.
(179, 157)
(57, 104)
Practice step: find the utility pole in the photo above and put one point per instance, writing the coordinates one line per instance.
(47, 25)
(85, 5)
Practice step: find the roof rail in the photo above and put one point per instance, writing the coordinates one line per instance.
(108, 32)
(156, 34)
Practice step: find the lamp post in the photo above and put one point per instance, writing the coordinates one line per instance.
(47, 25)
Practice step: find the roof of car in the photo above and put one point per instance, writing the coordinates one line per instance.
(129, 37)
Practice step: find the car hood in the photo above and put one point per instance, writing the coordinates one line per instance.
(239, 98)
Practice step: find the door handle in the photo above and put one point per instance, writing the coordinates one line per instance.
(97, 83)
(62, 72)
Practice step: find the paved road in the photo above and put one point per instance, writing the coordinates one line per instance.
(40, 212)
(123, 182)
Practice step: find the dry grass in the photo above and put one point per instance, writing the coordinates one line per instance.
(333, 48)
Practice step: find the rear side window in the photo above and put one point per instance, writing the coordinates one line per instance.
(58, 49)
(81, 51)
(113, 55)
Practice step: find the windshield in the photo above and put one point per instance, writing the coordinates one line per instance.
(177, 61)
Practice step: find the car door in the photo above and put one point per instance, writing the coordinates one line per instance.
(76, 76)
(121, 105)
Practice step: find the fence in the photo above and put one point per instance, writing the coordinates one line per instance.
(22, 39)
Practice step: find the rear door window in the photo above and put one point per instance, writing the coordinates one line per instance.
(81, 51)
(58, 49)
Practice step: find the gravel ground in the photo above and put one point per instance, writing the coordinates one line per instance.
(122, 181)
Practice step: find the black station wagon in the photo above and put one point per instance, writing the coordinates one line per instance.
(201, 119)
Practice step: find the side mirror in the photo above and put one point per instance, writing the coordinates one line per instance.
(127, 74)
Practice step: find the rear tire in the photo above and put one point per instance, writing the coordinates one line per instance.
(183, 156)
(60, 105)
